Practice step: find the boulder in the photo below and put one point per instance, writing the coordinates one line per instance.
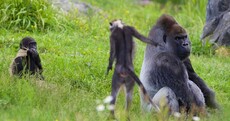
(67, 5)
(217, 27)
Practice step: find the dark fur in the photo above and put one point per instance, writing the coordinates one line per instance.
(29, 61)
(164, 66)
(122, 49)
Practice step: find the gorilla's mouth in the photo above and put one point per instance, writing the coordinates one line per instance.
(184, 55)
(184, 52)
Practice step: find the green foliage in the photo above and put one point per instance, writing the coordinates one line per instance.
(74, 50)
(27, 15)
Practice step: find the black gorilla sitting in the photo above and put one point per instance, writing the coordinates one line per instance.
(167, 73)
(27, 59)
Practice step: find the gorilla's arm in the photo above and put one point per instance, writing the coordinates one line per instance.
(112, 54)
(38, 62)
(141, 37)
(17, 66)
(209, 94)
(35, 62)
(35, 57)
(39, 65)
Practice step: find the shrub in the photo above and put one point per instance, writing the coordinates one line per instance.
(27, 15)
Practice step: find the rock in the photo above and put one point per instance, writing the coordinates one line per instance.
(67, 5)
(217, 26)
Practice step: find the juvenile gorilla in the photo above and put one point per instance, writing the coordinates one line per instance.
(122, 49)
(27, 59)
(167, 73)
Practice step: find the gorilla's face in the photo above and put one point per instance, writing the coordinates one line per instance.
(179, 45)
(28, 43)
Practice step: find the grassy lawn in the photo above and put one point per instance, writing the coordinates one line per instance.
(74, 50)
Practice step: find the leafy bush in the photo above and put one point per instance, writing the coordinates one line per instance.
(27, 15)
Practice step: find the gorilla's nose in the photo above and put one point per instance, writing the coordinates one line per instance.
(185, 44)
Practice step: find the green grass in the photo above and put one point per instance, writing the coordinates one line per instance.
(75, 55)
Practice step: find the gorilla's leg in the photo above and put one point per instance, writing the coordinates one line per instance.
(129, 84)
(199, 100)
(116, 84)
(166, 98)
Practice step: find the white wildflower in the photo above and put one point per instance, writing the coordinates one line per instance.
(177, 114)
(195, 118)
(108, 99)
(100, 107)
(110, 107)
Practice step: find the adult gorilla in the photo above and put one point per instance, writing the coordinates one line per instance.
(167, 73)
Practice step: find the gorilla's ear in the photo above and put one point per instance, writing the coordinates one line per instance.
(110, 23)
(164, 38)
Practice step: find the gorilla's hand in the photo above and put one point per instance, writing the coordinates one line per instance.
(108, 69)
(35, 57)
(32, 53)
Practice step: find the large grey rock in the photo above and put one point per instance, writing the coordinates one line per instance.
(68, 5)
(217, 26)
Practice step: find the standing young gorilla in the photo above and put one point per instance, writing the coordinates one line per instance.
(167, 73)
(122, 49)
(27, 59)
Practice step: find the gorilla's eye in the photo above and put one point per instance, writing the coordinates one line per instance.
(180, 37)
(164, 38)
(32, 45)
(185, 37)
(177, 38)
